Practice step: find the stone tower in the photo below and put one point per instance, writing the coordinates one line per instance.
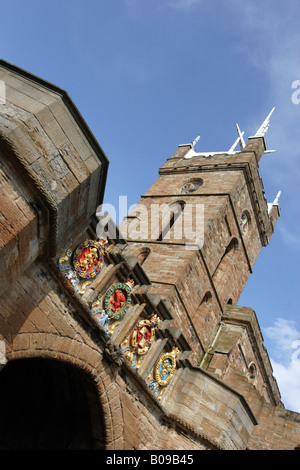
(136, 343)
(206, 220)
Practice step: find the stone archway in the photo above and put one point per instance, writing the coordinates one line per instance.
(47, 405)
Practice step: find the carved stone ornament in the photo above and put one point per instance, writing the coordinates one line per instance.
(143, 335)
(136, 344)
(86, 262)
(107, 323)
(244, 223)
(113, 353)
(191, 186)
(117, 299)
(88, 259)
(165, 367)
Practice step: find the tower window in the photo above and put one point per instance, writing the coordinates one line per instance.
(252, 372)
(176, 210)
(191, 186)
(233, 245)
(245, 222)
(207, 299)
(143, 255)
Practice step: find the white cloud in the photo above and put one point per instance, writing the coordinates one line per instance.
(288, 379)
(285, 340)
(269, 41)
(289, 235)
(284, 334)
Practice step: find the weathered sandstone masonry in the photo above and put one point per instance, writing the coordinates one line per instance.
(126, 344)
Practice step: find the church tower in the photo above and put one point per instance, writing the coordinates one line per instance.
(133, 343)
(198, 230)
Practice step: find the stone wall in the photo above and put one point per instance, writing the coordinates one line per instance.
(200, 378)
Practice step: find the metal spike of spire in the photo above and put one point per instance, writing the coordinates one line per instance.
(275, 202)
(232, 148)
(241, 139)
(261, 132)
(265, 126)
(196, 140)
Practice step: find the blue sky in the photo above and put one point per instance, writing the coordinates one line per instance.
(148, 75)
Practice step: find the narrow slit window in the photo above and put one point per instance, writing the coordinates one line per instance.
(174, 215)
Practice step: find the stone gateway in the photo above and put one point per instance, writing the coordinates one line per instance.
(128, 339)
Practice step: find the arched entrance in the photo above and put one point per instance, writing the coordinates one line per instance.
(48, 404)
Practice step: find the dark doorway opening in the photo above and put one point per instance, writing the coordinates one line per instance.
(45, 405)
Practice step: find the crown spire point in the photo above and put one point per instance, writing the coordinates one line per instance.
(261, 132)
(275, 202)
(196, 140)
(241, 139)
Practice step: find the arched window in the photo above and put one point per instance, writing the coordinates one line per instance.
(175, 211)
(207, 298)
(225, 271)
(142, 255)
(233, 245)
(251, 372)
